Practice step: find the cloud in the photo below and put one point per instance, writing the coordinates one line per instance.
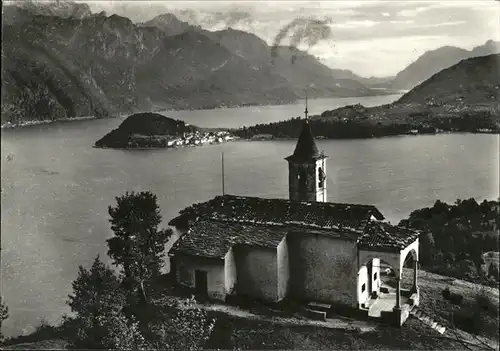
(368, 37)
(302, 31)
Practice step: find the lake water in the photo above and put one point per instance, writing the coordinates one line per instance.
(56, 188)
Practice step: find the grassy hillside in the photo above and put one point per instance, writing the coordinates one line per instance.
(239, 333)
(264, 332)
(471, 81)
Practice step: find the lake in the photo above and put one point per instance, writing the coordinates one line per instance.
(56, 188)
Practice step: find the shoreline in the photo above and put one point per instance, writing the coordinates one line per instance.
(372, 137)
(164, 147)
(29, 123)
(239, 139)
(382, 92)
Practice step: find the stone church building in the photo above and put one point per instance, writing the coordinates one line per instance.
(303, 248)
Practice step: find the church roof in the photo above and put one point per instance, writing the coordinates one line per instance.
(213, 239)
(280, 212)
(306, 149)
(381, 236)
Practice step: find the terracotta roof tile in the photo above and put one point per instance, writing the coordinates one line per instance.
(214, 239)
(211, 238)
(280, 212)
(385, 237)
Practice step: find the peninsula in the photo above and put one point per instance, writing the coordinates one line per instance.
(462, 98)
(153, 130)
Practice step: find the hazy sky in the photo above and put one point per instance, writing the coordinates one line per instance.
(368, 37)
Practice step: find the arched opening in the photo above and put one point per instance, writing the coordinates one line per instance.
(321, 178)
(409, 272)
(373, 277)
(302, 178)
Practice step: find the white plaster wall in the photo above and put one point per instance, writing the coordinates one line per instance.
(257, 272)
(323, 269)
(230, 272)
(283, 269)
(413, 246)
(187, 265)
(363, 278)
(376, 282)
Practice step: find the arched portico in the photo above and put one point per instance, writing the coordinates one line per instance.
(371, 276)
(393, 245)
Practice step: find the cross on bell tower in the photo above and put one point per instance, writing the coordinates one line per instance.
(305, 111)
(306, 167)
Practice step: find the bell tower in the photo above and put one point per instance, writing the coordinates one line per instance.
(306, 168)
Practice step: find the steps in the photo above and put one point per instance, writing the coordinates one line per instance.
(427, 320)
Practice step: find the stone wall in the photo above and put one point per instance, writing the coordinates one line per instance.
(283, 269)
(307, 189)
(257, 272)
(185, 273)
(323, 269)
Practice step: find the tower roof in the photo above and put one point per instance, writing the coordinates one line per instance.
(306, 149)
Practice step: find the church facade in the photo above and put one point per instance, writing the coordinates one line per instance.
(302, 248)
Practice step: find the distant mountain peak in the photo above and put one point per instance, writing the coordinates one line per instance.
(471, 81)
(433, 61)
(169, 23)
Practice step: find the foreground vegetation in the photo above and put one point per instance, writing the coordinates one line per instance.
(113, 311)
(458, 237)
(234, 332)
(123, 311)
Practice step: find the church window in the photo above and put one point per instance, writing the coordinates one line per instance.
(363, 288)
(375, 276)
(302, 177)
(321, 177)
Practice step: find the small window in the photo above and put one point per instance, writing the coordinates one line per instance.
(375, 276)
(363, 288)
(321, 177)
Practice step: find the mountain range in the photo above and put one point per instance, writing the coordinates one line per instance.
(468, 89)
(62, 66)
(434, 61)
(421, 69)
(60, 61)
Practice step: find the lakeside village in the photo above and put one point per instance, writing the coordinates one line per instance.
(196, 138)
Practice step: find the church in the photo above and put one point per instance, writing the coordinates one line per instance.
(303, 248)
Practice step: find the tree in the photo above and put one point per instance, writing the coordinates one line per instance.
(97, 302)
(4, 314)
(427, 245)
(138, 247)
(493, 270)
(467, 269)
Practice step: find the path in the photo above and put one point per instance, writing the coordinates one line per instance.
(332, 323)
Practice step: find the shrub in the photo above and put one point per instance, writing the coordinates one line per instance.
(479, 315)
(454, 298)
(484, 302)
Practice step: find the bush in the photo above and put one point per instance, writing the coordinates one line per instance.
(469, 319)
(479, 315)
(486, 304)
(454, 298)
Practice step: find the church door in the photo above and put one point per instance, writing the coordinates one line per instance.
(201, 283)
